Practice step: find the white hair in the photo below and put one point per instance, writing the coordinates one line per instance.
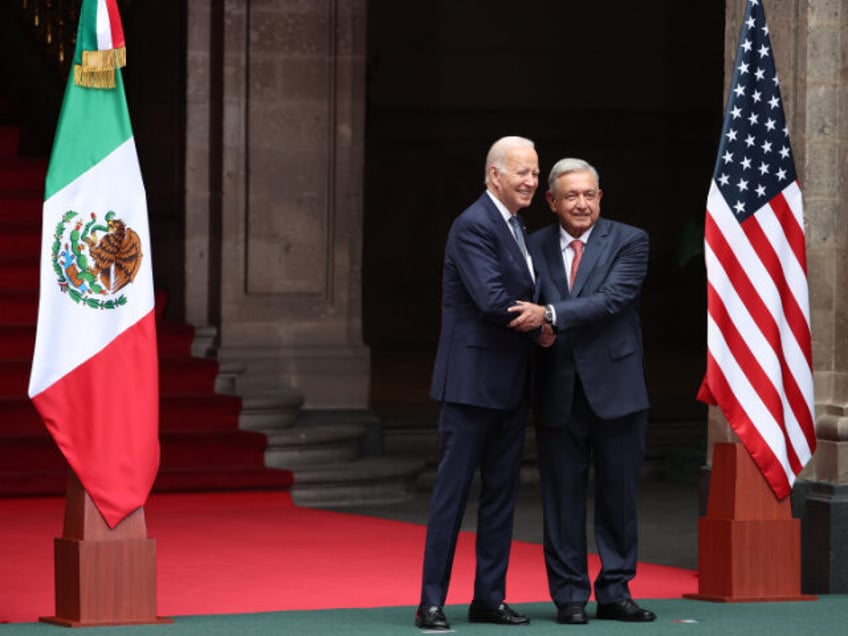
(499, 151)
(570, 164)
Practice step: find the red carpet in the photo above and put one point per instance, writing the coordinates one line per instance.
(223, 553)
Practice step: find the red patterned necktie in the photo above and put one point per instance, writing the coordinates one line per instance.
(577, 246)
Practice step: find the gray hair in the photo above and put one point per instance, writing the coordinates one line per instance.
(570, 164)
(499, 151)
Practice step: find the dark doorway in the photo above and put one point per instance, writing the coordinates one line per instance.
(635, 88)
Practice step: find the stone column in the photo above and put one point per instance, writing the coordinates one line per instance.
(821, 78)
(291, 212)
(201, 80)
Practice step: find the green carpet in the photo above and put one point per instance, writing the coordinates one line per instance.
(828, 616)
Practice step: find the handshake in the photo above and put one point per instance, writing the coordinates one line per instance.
(529, 317)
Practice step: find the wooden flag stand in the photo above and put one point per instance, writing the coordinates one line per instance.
(749, 545)
(103, 575)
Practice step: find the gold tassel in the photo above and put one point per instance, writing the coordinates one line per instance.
(98, 68)
(107, 58)
(94, 78)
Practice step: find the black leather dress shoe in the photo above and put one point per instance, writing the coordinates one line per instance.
(625, 610)
(503, 614)
(572, 613)
(431, 617)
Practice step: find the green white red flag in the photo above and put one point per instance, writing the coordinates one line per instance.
(94, 376)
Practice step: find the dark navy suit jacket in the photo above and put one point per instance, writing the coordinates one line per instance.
(480, 361)
(599, 336)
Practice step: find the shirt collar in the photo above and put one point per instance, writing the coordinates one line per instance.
(500, 206)
(565, 238)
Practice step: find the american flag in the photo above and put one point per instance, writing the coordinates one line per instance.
(759, 362)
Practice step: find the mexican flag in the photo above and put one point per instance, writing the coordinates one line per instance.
(94, 376)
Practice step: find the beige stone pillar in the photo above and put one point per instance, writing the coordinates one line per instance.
(825, 82)
(823, 95)
(276, 264)
(199, 161)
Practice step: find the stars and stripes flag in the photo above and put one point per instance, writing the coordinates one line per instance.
(94, 377)
(759, 362)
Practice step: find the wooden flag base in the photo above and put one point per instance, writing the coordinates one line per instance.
(749, 545)
(103, 575)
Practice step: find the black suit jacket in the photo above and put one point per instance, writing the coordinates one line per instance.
(480, 361)
(599, 335)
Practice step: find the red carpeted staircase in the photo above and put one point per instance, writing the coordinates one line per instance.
(202, 446)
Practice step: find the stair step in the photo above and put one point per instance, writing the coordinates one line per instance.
(55, 482)
(21, 453)
(14, 377)
(176, 376)
(302, 446)
(205, 449)
(18, 307)
(187, 375)
(19, 241)
(20, 274)
(10, 141)
(177, 413)
(19, 417)
(174, 338)
(21, 208)
(21, 175)
(17, 341)
(199, 412)
(367, 481)
(211, 449)
(230, 479)
(41, 483)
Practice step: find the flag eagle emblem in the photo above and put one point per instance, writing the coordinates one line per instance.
(94, 279)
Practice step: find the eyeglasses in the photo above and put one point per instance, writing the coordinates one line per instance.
(589, 196)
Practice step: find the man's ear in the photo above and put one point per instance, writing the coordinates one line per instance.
(551, 201)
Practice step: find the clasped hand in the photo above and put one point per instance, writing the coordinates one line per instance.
(531, 316)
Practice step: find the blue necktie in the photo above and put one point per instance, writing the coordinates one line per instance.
(518, 232)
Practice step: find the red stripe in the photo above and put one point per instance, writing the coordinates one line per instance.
(753, 370)
(115, 24)
(791, 229)
(760, 452)
(794, 317)
(104, 416)
(792, 312)
(767, 325)
(745, 289)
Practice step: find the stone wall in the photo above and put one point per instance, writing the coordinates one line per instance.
(276, 263)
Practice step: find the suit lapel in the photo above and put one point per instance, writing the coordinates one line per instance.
(594, 248)
(503, 230)
(553, 259)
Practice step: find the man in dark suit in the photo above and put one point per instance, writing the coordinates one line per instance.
(591, 397)
(481, 376)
